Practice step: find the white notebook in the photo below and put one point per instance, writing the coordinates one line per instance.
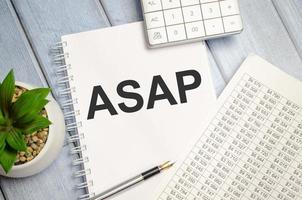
(134, 107)
(251, 146)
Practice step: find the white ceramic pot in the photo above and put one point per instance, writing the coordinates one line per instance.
(52, 146)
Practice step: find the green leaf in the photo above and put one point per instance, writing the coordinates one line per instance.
(38, 123)
(7, 90)
(2, 148)
(15, 140)
(2, 119)
(30, 102)
(8, 158)
(31, 114)
(3, 136)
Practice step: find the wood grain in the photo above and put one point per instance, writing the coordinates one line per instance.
(125, 11)
(2, 196)
(264, 34)
(291, 15)
(122, 11)
(56, 182)
(45, 22)
(15, 51)
(217, 78)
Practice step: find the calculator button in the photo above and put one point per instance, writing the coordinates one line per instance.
(213, 26)
(176, 33)
(189, 2)
(195, 29)
(157, 36)
(151, 5)
(210, 10)
(154, 19)
(167, 4)
(173, 16)
(192, 13)
(229, 7)
(232, 23)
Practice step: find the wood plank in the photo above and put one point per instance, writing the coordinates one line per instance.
(264, 34)
(46, 21)
(122, 11)
(125, 11)
(15, 52)
(2, 196)
(218, 81)
(56, 182)
(291, 15)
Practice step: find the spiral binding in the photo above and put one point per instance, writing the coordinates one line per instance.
(67, 103)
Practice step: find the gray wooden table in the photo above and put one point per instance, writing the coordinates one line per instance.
(272, 29)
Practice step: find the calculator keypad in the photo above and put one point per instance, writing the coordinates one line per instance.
(169, 21)
(167, 4)
(192, 13)
(195, 30)
(173, 16)
(154, 19)
(157, 36)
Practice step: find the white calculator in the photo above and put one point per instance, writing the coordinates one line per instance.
(169, 22)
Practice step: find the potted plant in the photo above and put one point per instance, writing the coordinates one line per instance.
(32, 128)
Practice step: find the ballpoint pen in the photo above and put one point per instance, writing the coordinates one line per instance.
(132, 181)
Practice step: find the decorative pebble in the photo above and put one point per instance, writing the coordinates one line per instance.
(22, 159)
(27, 154)
(29, 149)
(35, 141)
(39, 141)
(29, 158)
(35, 138)
(34, 146)
(40, 134)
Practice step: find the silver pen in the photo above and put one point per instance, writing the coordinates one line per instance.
(132, 181)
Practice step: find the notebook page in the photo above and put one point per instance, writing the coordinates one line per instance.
(121, 145)
(250, 147)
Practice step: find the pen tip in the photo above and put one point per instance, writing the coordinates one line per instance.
(166, 165)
